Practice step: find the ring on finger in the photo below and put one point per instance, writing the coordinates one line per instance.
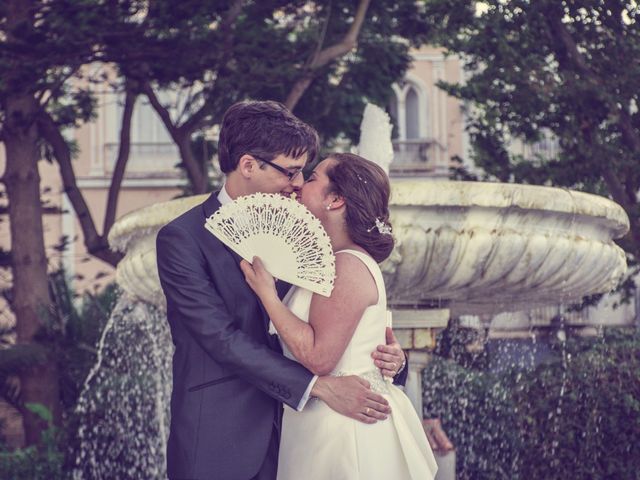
(366, 411)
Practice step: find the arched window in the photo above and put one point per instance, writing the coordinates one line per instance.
(408, 108)
(412, 114)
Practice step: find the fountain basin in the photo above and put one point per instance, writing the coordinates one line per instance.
(135, 235)
(472, 247)
(479, 247)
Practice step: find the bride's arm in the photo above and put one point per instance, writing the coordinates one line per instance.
(319, 344)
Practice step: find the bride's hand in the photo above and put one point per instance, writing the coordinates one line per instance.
(258, 278)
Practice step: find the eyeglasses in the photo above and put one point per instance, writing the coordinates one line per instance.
(292, 175)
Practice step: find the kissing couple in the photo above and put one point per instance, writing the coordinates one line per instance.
(328, 362)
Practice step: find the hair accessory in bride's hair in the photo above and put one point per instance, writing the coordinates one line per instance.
(360, 178)
(383, 228)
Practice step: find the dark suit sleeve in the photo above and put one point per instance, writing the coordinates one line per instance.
(401, 378)
(195, 302)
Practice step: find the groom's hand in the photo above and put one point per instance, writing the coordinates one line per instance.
(389, 358)
(352, 397)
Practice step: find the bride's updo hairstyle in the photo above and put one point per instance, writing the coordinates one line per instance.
(365, 189)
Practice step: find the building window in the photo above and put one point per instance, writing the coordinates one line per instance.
(146, 127)
(152, 151)
(411, 144)
(412, 114)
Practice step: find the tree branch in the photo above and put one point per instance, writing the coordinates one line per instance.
(193, 122)
(121, 162)
(187, 104)
(160, 109)
(228, 27)
(228, 33)
(55, 89)
(573, 55)
(323, 34)
(181, 138)
(323, 57)
(96, 245)
(569, 48)
(567, 52)
(617, 190)
(629, 132)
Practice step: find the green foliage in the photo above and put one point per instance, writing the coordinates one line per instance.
(40, 410)
(44, 462)
(545, 71)
(76, 331)
(478, 415)
(585, 422)
(273, 42)
(70, 338)
(207, 56)
(575, 416)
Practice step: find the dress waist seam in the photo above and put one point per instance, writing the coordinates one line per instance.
(374, 377)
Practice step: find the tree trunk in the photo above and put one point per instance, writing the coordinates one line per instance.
(197, 176)
(322, 57)
(182, 138)
(96, 244)
(31, 300)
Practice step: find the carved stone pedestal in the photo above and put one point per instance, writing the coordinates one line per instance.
(416, 330)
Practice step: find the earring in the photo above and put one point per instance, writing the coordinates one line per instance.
(328, 207)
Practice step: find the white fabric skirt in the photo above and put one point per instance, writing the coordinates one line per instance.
(320, 444)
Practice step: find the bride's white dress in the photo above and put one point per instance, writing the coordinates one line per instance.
(319, 443)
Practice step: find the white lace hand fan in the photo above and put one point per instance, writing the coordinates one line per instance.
(287, 237)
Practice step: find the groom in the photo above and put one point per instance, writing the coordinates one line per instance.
(229, 376)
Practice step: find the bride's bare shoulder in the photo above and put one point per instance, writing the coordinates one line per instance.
(354, 275)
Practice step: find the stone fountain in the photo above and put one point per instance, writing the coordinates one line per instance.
(462, 248)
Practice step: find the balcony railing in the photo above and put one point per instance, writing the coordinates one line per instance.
(411, 157)
(414, 156)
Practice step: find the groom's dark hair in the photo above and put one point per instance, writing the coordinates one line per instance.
(266, 129)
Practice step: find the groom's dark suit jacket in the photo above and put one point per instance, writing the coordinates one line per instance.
(229, 376)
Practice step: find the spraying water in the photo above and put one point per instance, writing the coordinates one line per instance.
(123, 408)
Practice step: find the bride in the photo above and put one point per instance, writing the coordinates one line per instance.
(334, 335)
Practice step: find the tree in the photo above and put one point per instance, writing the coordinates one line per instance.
(570, 69)
(43, 47)
(323, 59)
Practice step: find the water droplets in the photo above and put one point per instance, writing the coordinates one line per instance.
(123, 408)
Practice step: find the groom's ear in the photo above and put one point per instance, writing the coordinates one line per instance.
(247, 165)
